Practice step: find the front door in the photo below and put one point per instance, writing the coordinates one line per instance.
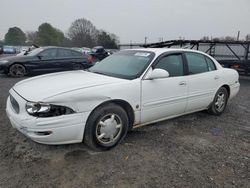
(46, 61)
(166, 97)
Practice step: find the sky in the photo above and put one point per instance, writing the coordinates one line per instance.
(133, 20)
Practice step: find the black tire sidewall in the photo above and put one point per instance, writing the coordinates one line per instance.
(90, 129)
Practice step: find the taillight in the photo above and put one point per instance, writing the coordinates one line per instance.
(90, 59)
(235, 66)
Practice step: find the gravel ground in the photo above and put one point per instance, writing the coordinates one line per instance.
(197, 150)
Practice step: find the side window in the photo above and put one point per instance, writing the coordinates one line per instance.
(196, 63)
(171, 63)
(76, 54)
(210, 64)
(64, 53)
(49, 53)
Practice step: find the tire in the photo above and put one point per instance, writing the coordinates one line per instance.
(106, 127)
(78, 67)
(17, 70)
(220, 102)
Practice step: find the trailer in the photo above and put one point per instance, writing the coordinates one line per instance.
(230, 54)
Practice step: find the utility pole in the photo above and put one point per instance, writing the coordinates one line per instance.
(160, 39)
(238, 36)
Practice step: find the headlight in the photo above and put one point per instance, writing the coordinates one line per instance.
(4, 61)
(47, 110)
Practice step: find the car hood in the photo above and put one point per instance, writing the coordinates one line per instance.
(15, 58)
(40, 88)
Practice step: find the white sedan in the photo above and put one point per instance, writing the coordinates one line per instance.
(128, 89)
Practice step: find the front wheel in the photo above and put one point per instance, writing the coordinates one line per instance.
(17, 70)
(106, 127)
(220, 102)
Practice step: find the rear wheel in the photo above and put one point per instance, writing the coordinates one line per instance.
(220, 102)
(106, 127)
(78, 67)
(17, 70)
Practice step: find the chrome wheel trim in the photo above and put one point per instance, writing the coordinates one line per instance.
(17, 70)
(220, 102)
(109, 129)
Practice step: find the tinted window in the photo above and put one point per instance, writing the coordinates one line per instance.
(74, 53)
(172, 63)
(64, 53)
(196, 63)
(210, 64)
(49, 53)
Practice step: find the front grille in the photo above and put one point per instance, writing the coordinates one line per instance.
(14, 104)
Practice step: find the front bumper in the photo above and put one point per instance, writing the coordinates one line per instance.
(63, 129)
(2, 69)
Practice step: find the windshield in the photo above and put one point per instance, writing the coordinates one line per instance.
(124, 64)
(35, 52)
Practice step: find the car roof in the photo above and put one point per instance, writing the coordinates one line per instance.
(49, 47)
(159, 51)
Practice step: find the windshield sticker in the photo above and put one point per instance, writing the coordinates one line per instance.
(142, 54)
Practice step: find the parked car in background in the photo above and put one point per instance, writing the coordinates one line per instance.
(98, 53)
(9, 50)
(111, 51)
(128, 89)
(86, 50)
(45, 60)
(83, 50)
(1, 49)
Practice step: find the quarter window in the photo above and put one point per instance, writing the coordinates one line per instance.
(171, 63)
(196, 63)
(210, 64)
(74, 53)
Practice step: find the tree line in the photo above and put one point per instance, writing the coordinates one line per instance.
(82, 33)
(226, 38)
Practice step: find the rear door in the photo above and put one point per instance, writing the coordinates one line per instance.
(203, 81)
(65, 60)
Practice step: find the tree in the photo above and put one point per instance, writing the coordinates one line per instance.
(83, 33)
(47, 35)
(229, 38)
(205, 38)
(248, 37)
(107, 40)
(31, 37)
(15, 36)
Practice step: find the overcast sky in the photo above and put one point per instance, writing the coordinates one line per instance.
(133, 20)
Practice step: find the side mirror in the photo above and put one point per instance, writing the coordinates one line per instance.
(157, 74)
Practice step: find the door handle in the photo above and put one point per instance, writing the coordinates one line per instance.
(216, 77)
(183, 83)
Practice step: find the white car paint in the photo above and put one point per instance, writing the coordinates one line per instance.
(150, 100)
